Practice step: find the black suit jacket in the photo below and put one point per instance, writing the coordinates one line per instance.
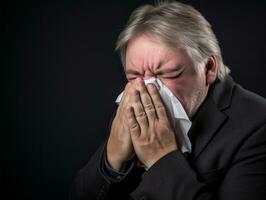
(228, 158)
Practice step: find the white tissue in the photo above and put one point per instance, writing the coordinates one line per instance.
(179, 118)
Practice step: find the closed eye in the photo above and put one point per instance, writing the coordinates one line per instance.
(170, 75)
(132, 75)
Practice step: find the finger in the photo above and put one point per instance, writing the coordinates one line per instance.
(146, 101)
(125, 98)
(157, 101)
(132, 123)
(139, 111)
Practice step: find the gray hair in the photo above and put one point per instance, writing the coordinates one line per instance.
(177, 25)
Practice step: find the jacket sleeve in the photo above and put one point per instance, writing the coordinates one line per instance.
(247, 177)
(172, 178)
(91, 182)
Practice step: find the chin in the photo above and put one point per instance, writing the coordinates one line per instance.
(196, 102)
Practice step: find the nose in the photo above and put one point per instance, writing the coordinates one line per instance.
(148, 74)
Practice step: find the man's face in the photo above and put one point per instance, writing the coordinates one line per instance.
(147, 57)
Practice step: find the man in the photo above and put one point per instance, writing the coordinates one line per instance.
(143, 158)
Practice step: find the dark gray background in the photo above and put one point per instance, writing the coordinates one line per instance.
(60, 77)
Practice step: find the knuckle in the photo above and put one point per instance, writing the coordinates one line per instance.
(134, 127)
(149, 107)
(160, 106)
(141, 115)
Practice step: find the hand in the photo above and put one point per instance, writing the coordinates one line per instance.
(151, 132)
(119, 145)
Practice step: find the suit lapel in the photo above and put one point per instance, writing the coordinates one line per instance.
(204, 126)
(210, 116)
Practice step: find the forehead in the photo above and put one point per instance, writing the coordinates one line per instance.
(144, 51)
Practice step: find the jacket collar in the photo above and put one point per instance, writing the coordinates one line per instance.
(210, 116)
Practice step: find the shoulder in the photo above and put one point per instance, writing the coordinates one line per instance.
(247, 105)
(238, 103)
(244, 110)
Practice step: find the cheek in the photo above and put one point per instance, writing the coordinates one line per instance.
(178, 88)
(184, 88)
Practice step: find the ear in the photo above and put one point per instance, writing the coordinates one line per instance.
(211, 70)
